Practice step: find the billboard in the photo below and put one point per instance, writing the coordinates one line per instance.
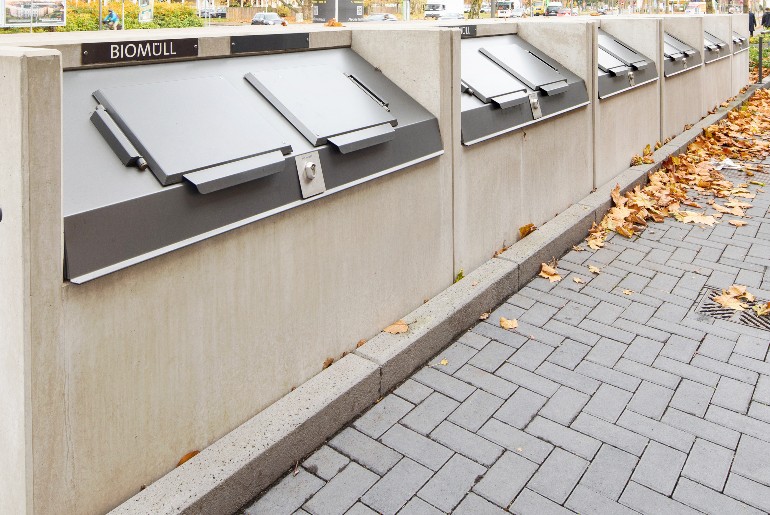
(346, 10)
(35, 13)
(145, 10)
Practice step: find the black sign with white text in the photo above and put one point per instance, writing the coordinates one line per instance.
(131, 51)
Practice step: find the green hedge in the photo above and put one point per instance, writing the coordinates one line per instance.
(83, 16)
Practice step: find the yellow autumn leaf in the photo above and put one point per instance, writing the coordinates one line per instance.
(525, 230)
(731, 302)
(594, 269)
(443, 362)
(737, 223)
(628, 292)
(549, 272)
(397, 328)
(508, 324)
(578, 248)
(578, 280)
(762, 310)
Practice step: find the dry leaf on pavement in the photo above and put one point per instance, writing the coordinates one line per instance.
(737, 223)
(526, 230)
(594, 269)
(508, 324)
(397, 328)
(549, 272)
(578, 280)
(628, 292)
(483, 316)
(762, 310)
(443, 362)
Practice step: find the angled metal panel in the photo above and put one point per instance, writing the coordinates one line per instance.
(622, 52)
(357, 140)
(319, 101)
(236, 172)
(714, 48)
(523, 64)
(740, 43)
(679, 56)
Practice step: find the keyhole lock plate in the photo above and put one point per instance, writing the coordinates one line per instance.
(310, 173)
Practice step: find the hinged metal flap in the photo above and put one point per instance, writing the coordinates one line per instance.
(511, 99)
(116, 139)
(554, 88)
(737, 38)
(178, 130)
(675, 49)
(356, 140)
(610, 64)
(524, 65)
(236, 172)
(710, 39)
(486, 80)
(620, 51)
(320, 101)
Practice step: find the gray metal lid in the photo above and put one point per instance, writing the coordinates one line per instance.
(526, 66)
(621, 52)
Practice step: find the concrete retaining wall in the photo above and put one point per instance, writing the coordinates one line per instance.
(740, 61)
(717, 75)
(106, 386)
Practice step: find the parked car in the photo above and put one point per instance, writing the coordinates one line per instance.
(381, 17)
(451, 16)
(519, 12)
(538, 9)
(564, 12)
(267, 19)
(210, 12)
(553, 9)
(485, 8)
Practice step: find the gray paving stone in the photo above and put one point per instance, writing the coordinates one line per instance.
(752, 460)
(419, 507)
(709, 501)
(756, 365)
(663, 282)
(456, 355)
(609, 472)
(762, 390)
(732, 394)
(680, 348)
(708, 464)
(641, 330)
(605, 281)
(607, 330)
(748, 491)
(654, 430)
(605, 312)
(499, 334)
(692, 397)
(725, 369)
(647, 373)
(611, 434)
(413, 391)
(396, 487)
(751, 346)
(508, 311)
(606, 352)
(492, 356)
(531, 355)
(539, 314)
(568, 331)
(686, 371)
(567, 377)
(564, 405)
(588, 502)
(382, 416)
(738, 422)
(466, 443)
(505, 479)
(325, 463)
(527, 379)
(542, 335)
(608, 375)
(569, 354)
(659, 468)
(475, 410)
(530, 503)
(476, 505)
(342, 492)
(516, 440)
(488, 382)
(521, 408)
(429, 413)
(422, 450)
(441, 382)
(759, 411)
(475, 340)
(360, 508)
(671, 312)
(632, 256)
(287, 496)
(517, 299)
(702, 428)
(608, 402)
(644, 500)
(643, 350)
(558, 475)
(650, 400)
(566, 438)
(573, 313)
(715, 347)
(366, 451)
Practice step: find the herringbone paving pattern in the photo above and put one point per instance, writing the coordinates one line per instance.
(600, 402)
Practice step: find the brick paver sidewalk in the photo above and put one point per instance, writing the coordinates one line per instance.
(600, 402)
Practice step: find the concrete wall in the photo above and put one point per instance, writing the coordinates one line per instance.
(682, 94)
(740, 61)
(500, 184)
(33, 426)
(717, 75)
(626, 122)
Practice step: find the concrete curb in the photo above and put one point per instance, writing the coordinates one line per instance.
(236, 468)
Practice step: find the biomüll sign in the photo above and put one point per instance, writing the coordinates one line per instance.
(128, 51)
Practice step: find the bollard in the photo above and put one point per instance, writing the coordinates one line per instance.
(759, 81)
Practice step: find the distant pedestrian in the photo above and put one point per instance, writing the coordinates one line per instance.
(752, 23)
(766, 18)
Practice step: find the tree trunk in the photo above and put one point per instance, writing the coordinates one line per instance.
(475, 11)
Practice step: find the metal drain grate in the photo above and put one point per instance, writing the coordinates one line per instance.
(749, 318)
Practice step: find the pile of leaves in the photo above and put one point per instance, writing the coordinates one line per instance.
(737, 297)
(690, 187)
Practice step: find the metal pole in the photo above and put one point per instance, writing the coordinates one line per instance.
(760, 57)
(100, 14)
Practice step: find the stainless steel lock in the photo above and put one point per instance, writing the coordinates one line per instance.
(310, 171)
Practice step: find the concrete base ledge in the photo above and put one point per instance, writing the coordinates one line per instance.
(236, 468)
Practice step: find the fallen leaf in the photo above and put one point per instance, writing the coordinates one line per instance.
(578, 248)
(460, 275)
(508, 324)
(737, 223)
(578, 280)
(397, 328)
(360, 342)
(327, 363)
(762, 310)
(628, 292)
(484, 316)
(444, 362)
(594, 269)
(549, 272)
(757, 183)
(526, 230)
(731, 302)
(187, 457)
